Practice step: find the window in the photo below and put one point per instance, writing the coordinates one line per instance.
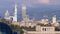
(44, 29)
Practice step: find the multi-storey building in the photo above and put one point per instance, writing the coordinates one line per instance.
(42, 30)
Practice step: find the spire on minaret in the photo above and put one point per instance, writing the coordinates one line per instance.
(7, 15)
(15, 10)
(15, 14)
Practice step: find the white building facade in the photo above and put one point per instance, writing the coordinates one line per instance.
(43, 30)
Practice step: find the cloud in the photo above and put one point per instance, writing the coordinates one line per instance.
(31, 3)
(36, 3)
(44, 1)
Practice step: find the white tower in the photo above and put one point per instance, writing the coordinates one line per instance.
(54, 19)
(7, 16)
(15, 14)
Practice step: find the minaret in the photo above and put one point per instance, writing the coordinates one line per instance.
(15, 14)
(54, 19)
(7, 15)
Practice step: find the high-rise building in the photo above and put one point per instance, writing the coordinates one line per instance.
(15, 14)
(24, 16)
(7, 16)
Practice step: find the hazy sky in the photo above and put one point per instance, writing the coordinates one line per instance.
(30, 3)
(33, 5)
